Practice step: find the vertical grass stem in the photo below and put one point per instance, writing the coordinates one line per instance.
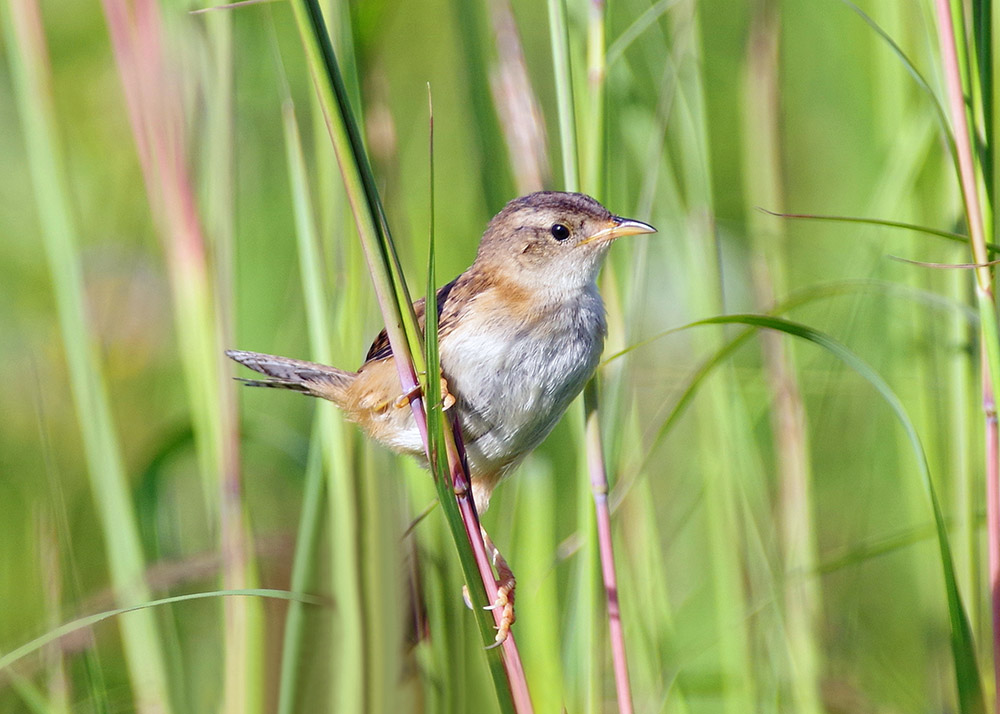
(29, 62)
(401, 325)
(987, 306)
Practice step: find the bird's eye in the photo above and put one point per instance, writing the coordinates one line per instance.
(560, 232)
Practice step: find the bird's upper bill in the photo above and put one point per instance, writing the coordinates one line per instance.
(618, 227)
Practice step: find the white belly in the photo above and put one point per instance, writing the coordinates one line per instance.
(514, 379)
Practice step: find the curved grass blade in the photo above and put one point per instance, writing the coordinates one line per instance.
(834, 289)
(647, 19)
(949, 235)
(90, 620)
(915, 73)
(969, 685)
(797, 299)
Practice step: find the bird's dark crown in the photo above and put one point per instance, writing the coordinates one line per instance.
(552, 202)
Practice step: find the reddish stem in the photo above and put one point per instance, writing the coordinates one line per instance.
(599, 488)
(470, 519)
(993, 515)
(984, 283)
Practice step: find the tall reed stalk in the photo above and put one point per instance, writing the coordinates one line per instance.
(404, 337)
(594, 178)
(29, 61)
(199, 256)
(973, 177)
(801, 601)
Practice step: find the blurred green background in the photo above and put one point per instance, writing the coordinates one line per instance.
(776, 546)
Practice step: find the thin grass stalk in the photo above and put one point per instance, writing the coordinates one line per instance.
(351, 631)
(970, 187)
(95, 686)
(971, 80)
(596, 461)
(57, 682)
(28, 57)
(599, 489)
(325, 429)
(494, 180)
(243, 619)
(516, 104)
(200, 289)
(562, 69)
(718, 424)
(992, 517)
(762, 168)
(354, 668)
(452, 474)
(349, 672)
(542, 623)
(401, 326)
(307, 540)
(982, 92)
(594, 173)
(153, 100)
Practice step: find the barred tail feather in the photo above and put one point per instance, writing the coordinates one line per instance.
(317, 380)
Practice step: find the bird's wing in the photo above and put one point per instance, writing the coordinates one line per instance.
(450, 302)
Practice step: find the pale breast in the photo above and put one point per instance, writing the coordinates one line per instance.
(515, 371)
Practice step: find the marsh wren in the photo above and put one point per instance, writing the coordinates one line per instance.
(520, 333)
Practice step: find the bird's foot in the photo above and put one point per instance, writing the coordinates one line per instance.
(447, 398)
(504, 601)
(506, 584)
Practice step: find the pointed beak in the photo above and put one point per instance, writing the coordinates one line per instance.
(620, 227)
(629, 227)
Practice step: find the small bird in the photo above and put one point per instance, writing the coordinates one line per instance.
(520, 333)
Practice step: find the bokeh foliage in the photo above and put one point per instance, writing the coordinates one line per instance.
(776, 546)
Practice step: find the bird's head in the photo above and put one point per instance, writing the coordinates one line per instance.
(552, 239)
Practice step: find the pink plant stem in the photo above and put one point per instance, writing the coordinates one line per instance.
(984, 285)
(599, 488)
(993, 515)
(470, 519)
(407, 373)
(611, 588)
(963, 144)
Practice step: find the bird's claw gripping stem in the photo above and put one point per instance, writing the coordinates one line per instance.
(447, 398)
(505, 592)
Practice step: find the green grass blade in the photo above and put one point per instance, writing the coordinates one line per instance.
(438, 457)
(313, 499)
(927, 230)
(362, 192)
(913, 72)
(89, 621)
(963, 648)
(303, 576)
(29, 62)
(404, 336)
(559, 40)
